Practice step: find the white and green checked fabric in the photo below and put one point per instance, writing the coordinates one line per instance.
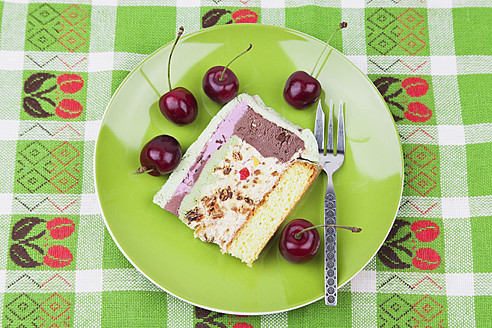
(60, 62)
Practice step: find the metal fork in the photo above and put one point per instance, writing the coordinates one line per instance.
(330, 163)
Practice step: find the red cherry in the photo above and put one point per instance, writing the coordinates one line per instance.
(179, 106)
(220, 88)
(302, 249)
(160, 156)
(220, 84)
(301, 90)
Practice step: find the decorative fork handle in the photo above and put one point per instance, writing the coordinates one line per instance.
(330, 244)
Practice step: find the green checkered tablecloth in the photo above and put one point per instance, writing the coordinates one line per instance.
(60, 62)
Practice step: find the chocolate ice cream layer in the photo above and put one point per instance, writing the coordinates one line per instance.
(267, 137)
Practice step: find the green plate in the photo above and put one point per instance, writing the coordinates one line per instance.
(368, 185)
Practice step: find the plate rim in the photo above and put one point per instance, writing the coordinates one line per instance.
(205, 30)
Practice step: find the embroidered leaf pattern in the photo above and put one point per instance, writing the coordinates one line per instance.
(389, 258)
(21, 257)
(33, 108)
(213, 17)
(394, 242)
(23, 227)
(35, 81)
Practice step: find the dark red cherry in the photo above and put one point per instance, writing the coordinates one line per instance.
(220, 88)
(301, 90)
(179, 106)
(298, 248)
(161, 155)
(220, 84)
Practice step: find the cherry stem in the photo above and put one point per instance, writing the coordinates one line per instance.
(142, 169)
(221, 78)
(150, 83)
(181, 30)
(298, 235)
(342, 25)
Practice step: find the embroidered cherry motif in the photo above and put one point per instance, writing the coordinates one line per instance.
(68, 108)
(242, 325)
(70, 83)
(58, 257)
(426, 259)
(418, 112)
(425, 230)
(60, 228)
(244, 16)
(415, 86)
(37, 94)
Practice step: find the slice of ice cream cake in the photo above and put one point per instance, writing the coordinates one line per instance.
(242, 177)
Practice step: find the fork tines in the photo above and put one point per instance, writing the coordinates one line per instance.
(319, 130)
(329, 146)
(341, 131)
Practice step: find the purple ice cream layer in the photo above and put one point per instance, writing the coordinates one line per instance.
(221, 135)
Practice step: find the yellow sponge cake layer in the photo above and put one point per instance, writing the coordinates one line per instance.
(269, 215)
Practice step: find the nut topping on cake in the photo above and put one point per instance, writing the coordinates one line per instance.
(208, 202)
(193, 215)
(237, 156)
(248, 200)
(225, 194)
